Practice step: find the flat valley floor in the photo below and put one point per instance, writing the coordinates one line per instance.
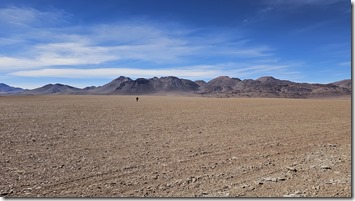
(112, 146)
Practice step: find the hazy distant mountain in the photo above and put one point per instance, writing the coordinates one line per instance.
(222, 86)
(6, 89)
(268, 86)
(52, 89)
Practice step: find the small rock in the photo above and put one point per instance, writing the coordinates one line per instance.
(204, 193)
(316, 188)
(332, 145)
(289, 195)
(326, 167)
(293, 169)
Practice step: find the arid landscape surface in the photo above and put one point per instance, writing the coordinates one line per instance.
(98, 146)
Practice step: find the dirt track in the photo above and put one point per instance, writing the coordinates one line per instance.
(174, 146)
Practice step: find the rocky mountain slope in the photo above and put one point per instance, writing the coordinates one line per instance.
(343, 83)
(125, 85)
(222, 86)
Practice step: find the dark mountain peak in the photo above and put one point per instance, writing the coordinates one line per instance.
(4, 85)
(119, 80)
(122, 78)
(141, 81)
(169, 77)
(222, 77)
(61, 85)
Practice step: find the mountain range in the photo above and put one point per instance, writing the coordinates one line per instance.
(222, 86)
(6, 89)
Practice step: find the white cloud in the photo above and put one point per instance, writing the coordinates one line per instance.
(193, 71)
(25, 16)
(146, 43)
(71, 48)
(190, 72)
(55, 54)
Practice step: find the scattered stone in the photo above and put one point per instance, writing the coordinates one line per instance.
(332, 145)
(2, 194)
(316, 188)
(325, 167)
(293, 169)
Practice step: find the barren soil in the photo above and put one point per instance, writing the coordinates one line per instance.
(98, 146)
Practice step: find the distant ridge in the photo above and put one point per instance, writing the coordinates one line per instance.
(52, 89)
(222, 86)
(6, 89)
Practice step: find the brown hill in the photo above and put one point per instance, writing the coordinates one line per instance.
(343, 83)
(268, 86)
(155, 85)
(222, 86)
(200, 83)
(109, 87)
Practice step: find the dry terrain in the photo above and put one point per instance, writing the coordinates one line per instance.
(102, 146)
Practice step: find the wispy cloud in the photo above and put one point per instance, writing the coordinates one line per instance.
(107, 50)
(121, 41)
(58, 54)
(192, 71)
(346, 63)
(240, 70)
(25, 16)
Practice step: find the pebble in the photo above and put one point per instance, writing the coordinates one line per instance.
(292, 169)
(325, 167)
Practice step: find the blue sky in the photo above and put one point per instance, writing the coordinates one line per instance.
(84, 43)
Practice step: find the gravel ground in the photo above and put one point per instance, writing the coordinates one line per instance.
(113, 146)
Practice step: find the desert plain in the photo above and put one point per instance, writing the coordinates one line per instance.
(173, 146)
